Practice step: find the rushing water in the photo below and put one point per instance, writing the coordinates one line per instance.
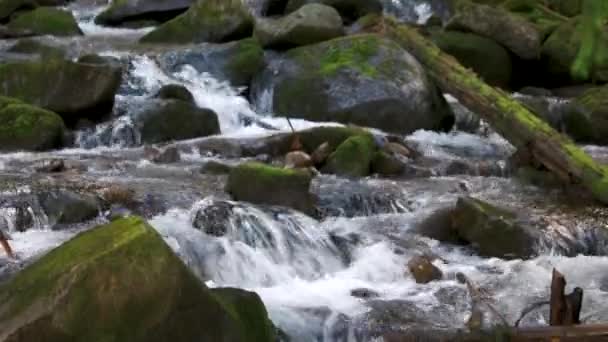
(305, 270)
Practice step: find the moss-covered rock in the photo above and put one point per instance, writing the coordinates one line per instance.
(46, 20)
(73, 90)
(124, 12)
(310, 24)
(384, 163)
(206, 21)
(264, 184)
(568, 8)
(493, 231)
(587, 121)
(353, 157)
(349, 9)
(560, 50)
(235, 62)
(487, 58)
(167, 120)
(121, 282)
(36, 47)
(8, 7)
(364, 80)
(511, 30)
(25, 127)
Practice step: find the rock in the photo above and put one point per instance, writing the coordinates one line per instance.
(175, 92)
(168, 155)
(353, 157)
(205, 21)
(569, 8)
(36, 47)
(9, 7)
(119, 195)
(215, 168)
(168, 120)
(72, 90)
(123, 12)
(364, 293)
(100, 60)
(349, 9)
(262, 184)
(321, 153)
(438, 226)
(423, 270)
(46, 20)
(26, 127)
(481, 54)
(363, 80)
(65, 207)
(561, 48)
(388, 164)
(587, 119)
(51, 166)
(514, 32)
(298, 160)
(214, 219)
(235, 62)
(493, 231)
(309, 24)
(116, 272)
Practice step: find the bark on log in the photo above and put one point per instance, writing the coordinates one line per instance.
(558, 299)
(507, 116)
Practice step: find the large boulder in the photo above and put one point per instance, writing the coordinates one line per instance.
(46, 20)
(166, 120)
(514, 32)
(353, 158)
(73, 90)
(263, 184)
(364, 80)
(26, 127)
(64, 207)
(481, 54)
(206, 21)
(587, 121)
(561, 48)
(235, 62)
(310, 24)
(9, 7)
(494, 231)
(349, 9)
(121, 282)
(122, 12)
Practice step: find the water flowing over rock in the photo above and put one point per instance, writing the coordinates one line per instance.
(126, 12)
(363, 80)
(84, 276)
(309, 24)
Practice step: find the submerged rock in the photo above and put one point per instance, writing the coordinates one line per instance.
(363, 80)
(353, 157)
(26, 127)
(214, 219)
(73, 90)
(124, 12)
(205, 21)
(264, 184)
(308, 25)
(175, 92)
(235, 62)
(117, 273)
(46, 20)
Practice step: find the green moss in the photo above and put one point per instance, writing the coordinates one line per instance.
(46, 20)
(334, 135)
(247, 306)
(249, 58)
(8, 7)
(353, 157)
(355, 56)
(25, 127)
(32, 46)
(267, 172)
(5, 101)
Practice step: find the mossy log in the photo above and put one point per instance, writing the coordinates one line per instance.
(515, 122)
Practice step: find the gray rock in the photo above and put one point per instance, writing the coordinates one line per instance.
(65, 207)
(125, 11)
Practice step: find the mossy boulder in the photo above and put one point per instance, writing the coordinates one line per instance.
(168, 120)
(264, 184)
(32, 46)
(26, 127)
(561, 48)
(364, 80)
(121, 282)
(385, 163)
(124, 12)
(205, 21)
(73, 90)
(309, 24)
(490, 60)
(587, 121)
(46, 20)
(494, 231)
(236, 62)
(353, 158)
(350, 10)
(568, 8)
(519, 35)
(9, 7)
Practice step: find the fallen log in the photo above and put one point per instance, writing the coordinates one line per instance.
(515, 122)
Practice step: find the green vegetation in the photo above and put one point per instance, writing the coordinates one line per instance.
(593, 49)
(353, 157)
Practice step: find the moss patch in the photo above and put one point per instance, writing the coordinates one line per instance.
(25, 127)
(353, 157)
